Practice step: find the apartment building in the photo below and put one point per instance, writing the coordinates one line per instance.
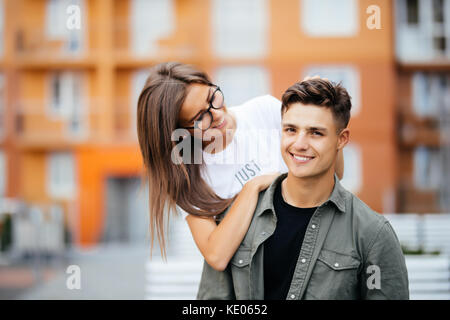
(71, 72)
(423, 104)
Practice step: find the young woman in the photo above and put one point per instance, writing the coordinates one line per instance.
(232, 171)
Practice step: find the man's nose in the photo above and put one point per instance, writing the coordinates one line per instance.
(301, 142)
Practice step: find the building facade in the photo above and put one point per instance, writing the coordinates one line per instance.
(71, 72)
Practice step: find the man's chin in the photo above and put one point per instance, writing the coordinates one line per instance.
(308, 174)
(301, 174)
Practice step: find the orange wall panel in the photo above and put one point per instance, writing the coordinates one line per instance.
(33, 176)
(95, 165)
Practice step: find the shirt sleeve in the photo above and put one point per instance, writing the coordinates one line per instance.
(385, 275)
(272, 108)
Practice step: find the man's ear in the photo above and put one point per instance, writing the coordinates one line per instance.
(343, 138)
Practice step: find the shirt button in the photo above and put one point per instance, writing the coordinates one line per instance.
(263, 233)
(240, 261)
(336, 264)
(303, 260)
(292, 296)
(313, 226)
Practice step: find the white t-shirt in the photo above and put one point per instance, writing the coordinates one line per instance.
(254, 150)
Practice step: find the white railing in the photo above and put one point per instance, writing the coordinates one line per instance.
(429, 232)
(429, 275)
(179, 277)
(39, 230)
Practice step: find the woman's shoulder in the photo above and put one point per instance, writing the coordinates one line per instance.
(261, 111)
(261, 102)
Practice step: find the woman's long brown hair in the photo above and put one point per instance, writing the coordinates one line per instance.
(170, 184)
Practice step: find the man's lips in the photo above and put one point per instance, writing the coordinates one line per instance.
(301, 159)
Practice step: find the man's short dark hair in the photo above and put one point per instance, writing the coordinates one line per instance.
(320, 92)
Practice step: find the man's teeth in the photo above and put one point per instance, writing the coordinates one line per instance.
(302, 158)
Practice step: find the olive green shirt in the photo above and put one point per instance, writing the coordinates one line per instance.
(348, 252)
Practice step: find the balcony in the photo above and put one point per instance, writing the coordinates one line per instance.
(417, 130)
(134, 49)
(37, 126)
(36, 49)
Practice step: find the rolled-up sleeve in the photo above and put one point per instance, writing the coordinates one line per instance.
(385, 275)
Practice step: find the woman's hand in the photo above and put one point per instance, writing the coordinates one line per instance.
(263, 181)
(314, 77)
(218, 243)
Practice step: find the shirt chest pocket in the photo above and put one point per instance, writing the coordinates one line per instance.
(240, 267)
(335, 276)
(338, 261)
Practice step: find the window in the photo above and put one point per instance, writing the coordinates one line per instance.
(352, 179)
(438, 11)
(430, 93)
(329, 18)
(412, 8)
(150, 21)
(61, 175)
(138, 82)
(347, 75)
(241, 83)
(67, 100)
(56, 24)
(3, 174)
(422, 31)
(439, 34)
(427, 168)
(240, 28)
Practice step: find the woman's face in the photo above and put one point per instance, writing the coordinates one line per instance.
(197, 101)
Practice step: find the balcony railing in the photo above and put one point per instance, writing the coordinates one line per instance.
(36, 124)
(129, 43)
(37, 44)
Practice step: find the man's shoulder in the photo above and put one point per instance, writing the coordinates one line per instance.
(362, 211)
(366, 222)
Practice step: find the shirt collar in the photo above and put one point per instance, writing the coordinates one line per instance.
(337, 196)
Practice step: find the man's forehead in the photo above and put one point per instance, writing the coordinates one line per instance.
(308, 115)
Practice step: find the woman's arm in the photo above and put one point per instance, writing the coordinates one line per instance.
(218, 243)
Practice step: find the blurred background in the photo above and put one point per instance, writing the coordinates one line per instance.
(70, 167)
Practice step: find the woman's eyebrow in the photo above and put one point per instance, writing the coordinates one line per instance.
(200, 111)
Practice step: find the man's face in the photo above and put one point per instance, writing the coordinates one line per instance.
(309, 140)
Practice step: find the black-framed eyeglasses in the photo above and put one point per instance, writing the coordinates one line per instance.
(206, 118)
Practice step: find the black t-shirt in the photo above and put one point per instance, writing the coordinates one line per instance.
(282, 249)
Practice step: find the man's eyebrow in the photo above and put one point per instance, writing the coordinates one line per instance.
(317, 129)
(200, 111)
(287, 124)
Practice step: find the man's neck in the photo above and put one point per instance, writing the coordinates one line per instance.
(308, 192)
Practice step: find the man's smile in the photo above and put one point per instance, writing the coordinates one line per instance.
(301, 159)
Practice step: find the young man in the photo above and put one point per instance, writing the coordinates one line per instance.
(309, 237)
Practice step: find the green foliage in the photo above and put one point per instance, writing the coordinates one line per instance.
(5, 233)
(418, 251)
